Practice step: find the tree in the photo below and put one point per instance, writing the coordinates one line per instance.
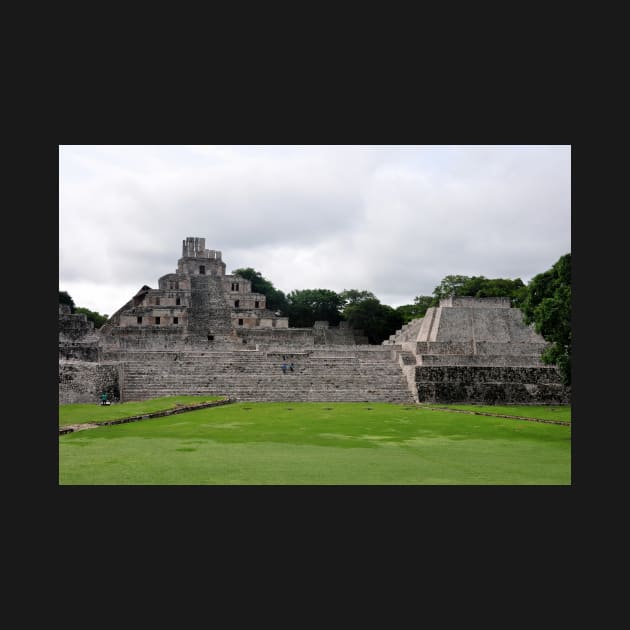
(418, 309)
(307, 306)
(64, 298)
(377, 321)
(276, 299)
(93, 316)
(501, 287)
(547, 305)
(353, 296)
(450, 285)
(480, 287)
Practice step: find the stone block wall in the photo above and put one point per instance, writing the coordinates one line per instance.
(277, 336)
(201, 266)
(472, 302)
(236, 284)
(506, 360)
(74, 326)
(143, 337)
(175, 282)
(78, 351)
(490, 385)
(83, 382)
(444, 347)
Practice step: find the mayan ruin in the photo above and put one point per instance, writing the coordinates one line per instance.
(204, 332)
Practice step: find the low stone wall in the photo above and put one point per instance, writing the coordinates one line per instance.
(157, 414)
(75, 326)
(470, 348)
(84, 382)
(444, 347)
(480, 360)
(77, 351)
(302, 337)
(143, 338)
(466, 301)
(320, 334)
(490, 385)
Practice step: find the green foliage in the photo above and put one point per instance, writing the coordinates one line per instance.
(450, 285)
(64, 298)
(422, 303)
(377, 321)
(353, 296)
(480, 287)
(458, 285)
(307, 306)
(276, 299)
(418, 309)
(93, 316)
(407, 312)
(548, 306)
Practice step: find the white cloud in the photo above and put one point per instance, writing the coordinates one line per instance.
(392, 220)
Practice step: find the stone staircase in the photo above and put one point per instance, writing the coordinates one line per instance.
(476, 350)
(408, 332)
(257, 376)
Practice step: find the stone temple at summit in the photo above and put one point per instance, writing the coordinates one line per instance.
(205, 332)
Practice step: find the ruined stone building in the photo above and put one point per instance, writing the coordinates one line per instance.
(476, 350)
(197, 304)
(204, 332)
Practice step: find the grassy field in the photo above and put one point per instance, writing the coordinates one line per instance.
(316, 444)
(548, 412)
(94, 412)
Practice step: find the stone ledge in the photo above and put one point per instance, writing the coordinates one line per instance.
(157, 414)
(497, 415)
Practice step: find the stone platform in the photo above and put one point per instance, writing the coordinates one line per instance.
(477, 350)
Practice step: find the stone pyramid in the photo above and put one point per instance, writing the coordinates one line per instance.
(478, 350)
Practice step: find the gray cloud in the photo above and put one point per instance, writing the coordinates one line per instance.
(392, 220)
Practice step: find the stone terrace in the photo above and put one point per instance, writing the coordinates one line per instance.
(331, 374)
(476, 350)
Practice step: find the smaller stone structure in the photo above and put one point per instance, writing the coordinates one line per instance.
(78, 340)
(477, 350)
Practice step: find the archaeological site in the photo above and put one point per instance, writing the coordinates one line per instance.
(204, 332)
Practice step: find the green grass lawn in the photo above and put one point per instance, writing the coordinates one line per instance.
(94, 412)
(543, 412)
(317, 443)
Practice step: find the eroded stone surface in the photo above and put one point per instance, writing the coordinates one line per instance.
(478, 350)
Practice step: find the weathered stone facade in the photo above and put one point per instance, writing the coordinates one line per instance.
(78, 340)
(477, 350)
(83, 381)
(197, 304)
(197, 312)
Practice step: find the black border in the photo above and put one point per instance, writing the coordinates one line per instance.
(394, 113)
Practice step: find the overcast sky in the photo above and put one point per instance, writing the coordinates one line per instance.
(393, 220)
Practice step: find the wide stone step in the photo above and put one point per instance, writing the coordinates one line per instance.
(322, 375)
